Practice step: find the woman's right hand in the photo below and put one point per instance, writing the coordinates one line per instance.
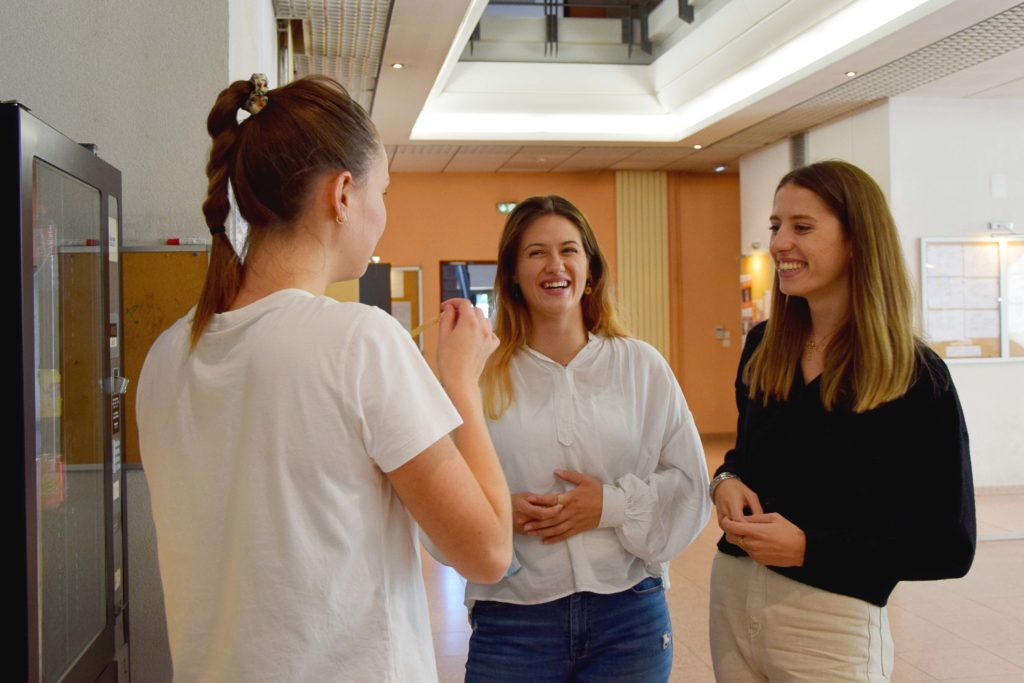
(733, 498)
(529, 507)
(465, 341)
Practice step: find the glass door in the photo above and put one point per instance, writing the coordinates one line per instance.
(70, 417)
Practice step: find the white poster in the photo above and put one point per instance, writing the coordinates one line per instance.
(981, 292)
(946, 325)
(402, 312)
(981, 260)
(981, 324)
(945, 260)
(945, 292)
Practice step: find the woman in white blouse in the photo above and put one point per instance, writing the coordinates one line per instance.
(606, 467)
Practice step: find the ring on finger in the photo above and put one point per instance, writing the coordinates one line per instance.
(741, 544)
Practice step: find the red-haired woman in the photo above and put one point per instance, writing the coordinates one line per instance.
(291, 442)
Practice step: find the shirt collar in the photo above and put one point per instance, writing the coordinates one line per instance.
(585, 354)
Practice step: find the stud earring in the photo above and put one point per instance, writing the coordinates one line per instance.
(340, 220)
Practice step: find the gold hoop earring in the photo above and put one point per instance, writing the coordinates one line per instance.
(340, 220)
(588, 289)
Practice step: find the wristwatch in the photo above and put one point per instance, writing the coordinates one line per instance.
(719, 478)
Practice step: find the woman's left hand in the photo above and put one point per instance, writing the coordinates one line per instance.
(581, 509)
(769, 539)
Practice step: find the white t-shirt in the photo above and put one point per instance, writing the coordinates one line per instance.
(614, 412)
(284, 552)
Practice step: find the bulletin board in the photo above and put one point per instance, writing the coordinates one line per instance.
(973, 297)
(158, 287)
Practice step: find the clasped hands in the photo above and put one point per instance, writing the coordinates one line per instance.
(769, 539)
(554, 517)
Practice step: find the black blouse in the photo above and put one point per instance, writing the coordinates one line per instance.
(882, 496)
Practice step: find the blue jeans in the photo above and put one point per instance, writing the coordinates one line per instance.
(622, 637)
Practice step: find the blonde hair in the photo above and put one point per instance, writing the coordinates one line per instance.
(870, 359)
(512, 320)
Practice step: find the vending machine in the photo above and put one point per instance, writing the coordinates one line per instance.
(61, 205)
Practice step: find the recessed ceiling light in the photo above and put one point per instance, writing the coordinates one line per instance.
(851, 74)
(719, 168)
(698, 146)
(398, 65)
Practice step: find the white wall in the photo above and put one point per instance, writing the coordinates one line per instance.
(136, 78)
(252, 43)
(935, 158)
(861, 139)
(944, 154)
(760, 172)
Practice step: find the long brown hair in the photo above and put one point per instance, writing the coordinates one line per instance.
(512, 321)
(307, 128)
(870, 359)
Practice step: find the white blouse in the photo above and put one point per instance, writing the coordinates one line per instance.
(614, 412)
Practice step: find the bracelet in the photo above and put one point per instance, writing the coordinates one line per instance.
(719, 478)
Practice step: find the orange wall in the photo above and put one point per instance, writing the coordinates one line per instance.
(434, 217)
(704, 270)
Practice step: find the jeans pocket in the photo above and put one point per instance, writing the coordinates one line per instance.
(648, 585)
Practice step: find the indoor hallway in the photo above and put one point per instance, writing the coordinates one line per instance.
(970, 629)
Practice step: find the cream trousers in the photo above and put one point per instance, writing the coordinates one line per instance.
(766, 627)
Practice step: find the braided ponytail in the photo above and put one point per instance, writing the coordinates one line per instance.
(296, 133)
(225, 273)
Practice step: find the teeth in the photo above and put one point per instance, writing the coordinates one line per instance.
(790, 265)
(555, 285)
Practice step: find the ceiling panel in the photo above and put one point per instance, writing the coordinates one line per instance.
(482, 159)
(977, 80)
(422, 158)
(537, 158)
(595, 158)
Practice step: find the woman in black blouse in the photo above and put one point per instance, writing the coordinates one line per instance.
(851, 470)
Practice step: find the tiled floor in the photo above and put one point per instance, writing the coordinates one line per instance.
(971, 629)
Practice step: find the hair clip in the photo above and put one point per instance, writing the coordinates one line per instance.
(258, 97)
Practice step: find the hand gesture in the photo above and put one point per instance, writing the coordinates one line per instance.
(733, 499)
(580, 511)
(769, 539)
(530, 507)
(465, 341)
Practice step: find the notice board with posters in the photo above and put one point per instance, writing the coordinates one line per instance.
(972, 292)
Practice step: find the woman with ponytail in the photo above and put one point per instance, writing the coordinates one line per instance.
(851, 470)
(291, 442)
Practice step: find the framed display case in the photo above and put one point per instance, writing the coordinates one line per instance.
(972, 291)
(62, 489)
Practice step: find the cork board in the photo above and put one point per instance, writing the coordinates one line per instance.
(158, 287)
(81, 334)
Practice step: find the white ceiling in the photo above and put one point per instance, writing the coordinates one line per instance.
(939, 48)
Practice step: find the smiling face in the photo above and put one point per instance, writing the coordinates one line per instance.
(552, 267)
(810, 248)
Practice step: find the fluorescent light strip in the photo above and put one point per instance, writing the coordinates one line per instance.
(846, 26)
(842, 28)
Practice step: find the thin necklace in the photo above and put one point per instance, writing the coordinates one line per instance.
(811, 347)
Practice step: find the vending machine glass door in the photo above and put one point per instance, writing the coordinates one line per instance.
(71, 475)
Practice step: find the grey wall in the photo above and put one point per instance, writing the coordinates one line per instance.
(150, 655)
(137, 77)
